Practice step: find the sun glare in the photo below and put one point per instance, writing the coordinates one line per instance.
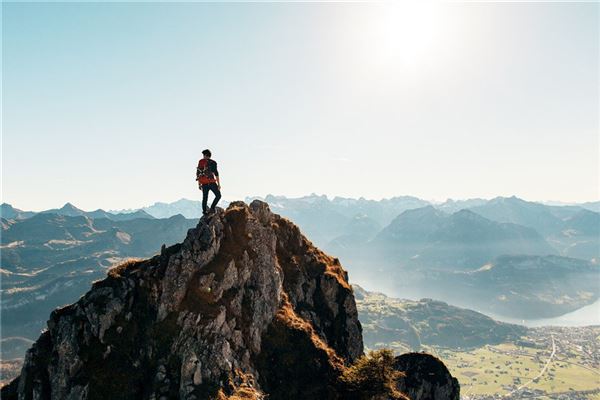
(400, 35)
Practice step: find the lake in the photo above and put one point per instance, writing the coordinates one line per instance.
(588, 315)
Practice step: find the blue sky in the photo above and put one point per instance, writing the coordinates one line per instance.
(109, 105)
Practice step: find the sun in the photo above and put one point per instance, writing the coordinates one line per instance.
(401, 35)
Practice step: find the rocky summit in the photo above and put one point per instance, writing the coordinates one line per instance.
(245, 307)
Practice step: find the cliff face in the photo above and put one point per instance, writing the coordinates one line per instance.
(245, 306)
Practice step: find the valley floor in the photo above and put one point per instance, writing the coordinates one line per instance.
(549, 363)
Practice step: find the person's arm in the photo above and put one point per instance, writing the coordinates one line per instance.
(216, 172)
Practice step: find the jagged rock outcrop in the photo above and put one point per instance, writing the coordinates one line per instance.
(426, 377)
(244, 306)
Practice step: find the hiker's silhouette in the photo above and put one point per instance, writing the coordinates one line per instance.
(207, 176)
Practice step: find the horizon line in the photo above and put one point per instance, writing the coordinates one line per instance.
(559, 203)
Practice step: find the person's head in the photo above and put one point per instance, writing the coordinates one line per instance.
(206, 153)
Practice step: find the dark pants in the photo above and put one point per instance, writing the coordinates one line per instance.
(215, 189)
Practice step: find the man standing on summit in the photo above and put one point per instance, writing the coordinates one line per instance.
(207, 176)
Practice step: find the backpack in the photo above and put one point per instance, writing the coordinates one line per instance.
(203, 172)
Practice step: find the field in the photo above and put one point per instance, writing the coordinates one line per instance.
(503, 369)
(548, 363)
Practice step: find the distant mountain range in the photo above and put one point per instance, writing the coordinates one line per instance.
(429, 237)
(9, 212)
(188, 208)
(330, 218)
(50, 259)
